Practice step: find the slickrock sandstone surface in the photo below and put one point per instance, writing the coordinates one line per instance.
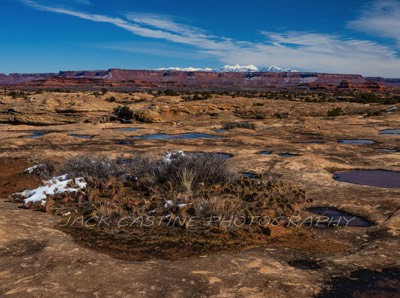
(38, 260)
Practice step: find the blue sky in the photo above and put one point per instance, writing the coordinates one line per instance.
(326, 36)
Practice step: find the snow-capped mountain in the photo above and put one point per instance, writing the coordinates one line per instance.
(274, 68)
(185, 69)
(238, 68)
(232, 68)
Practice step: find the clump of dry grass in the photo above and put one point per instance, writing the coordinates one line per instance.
(238, 124)
(181, 186)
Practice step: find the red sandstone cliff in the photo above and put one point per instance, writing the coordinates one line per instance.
(197, 80)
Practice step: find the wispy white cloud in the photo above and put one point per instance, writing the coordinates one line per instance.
(301, 50)
(381, 18)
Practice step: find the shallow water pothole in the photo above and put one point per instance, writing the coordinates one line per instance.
(37, 134)
(265, 152)
(129, 129)
(249, 175)
(305, 264)
(184, 136)
(124, 142)
(81, 136)
(356, 142)
(365, 283)
(287, 154)
(388, 150)
(333, 217)
(376, 178)
(395, 132)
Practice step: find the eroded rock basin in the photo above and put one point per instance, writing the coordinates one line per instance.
(395, 132)
(332, 217)
(366, 283)
(356, 142)
(377, 178)
(184, 136)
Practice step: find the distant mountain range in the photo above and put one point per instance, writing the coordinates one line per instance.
(232, 68)
(234, 77)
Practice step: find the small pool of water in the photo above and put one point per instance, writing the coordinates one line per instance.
(220, 130)
(316, 142)
(224, 155)
(130, 129)
(265, 152)
(395, 132)
(357, 142)
(249, 175)
(331, 217)
(184, 136)
(124, 142)
(37, 134)
(81, 136)
(388, 150)
(365, 283)
(377, 178)
(305, 264)
(288, 154)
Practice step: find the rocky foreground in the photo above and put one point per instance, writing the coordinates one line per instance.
(37, 259)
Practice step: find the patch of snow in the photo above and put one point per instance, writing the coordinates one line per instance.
(56, 185)
(34, 168)
(173, 155)
(169, 203)
(308, 80)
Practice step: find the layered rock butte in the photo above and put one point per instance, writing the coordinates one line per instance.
(120, 78)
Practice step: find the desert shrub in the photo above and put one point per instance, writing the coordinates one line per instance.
(238, 124)
(368, 97)
(111, 99)
(123, 113)
(335, 112)
(45, 169)
(138, 168)
(94, 166)
(392, 100)
(188, 171)
(170, 92)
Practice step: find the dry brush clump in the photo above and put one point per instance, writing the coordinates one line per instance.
(175, 189)
(238, 124)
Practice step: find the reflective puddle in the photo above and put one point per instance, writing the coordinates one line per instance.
(265, 152)
(184, 136)
(124, 142)
(130, 129)
(37, 134)
(388, 150)
(377, 178)
(357, 142)
(332, 217)
(305, 264)
(81, 136)
(395, 132)
(249, 175)
(288, 154)
(365, 283)
(224, 155)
